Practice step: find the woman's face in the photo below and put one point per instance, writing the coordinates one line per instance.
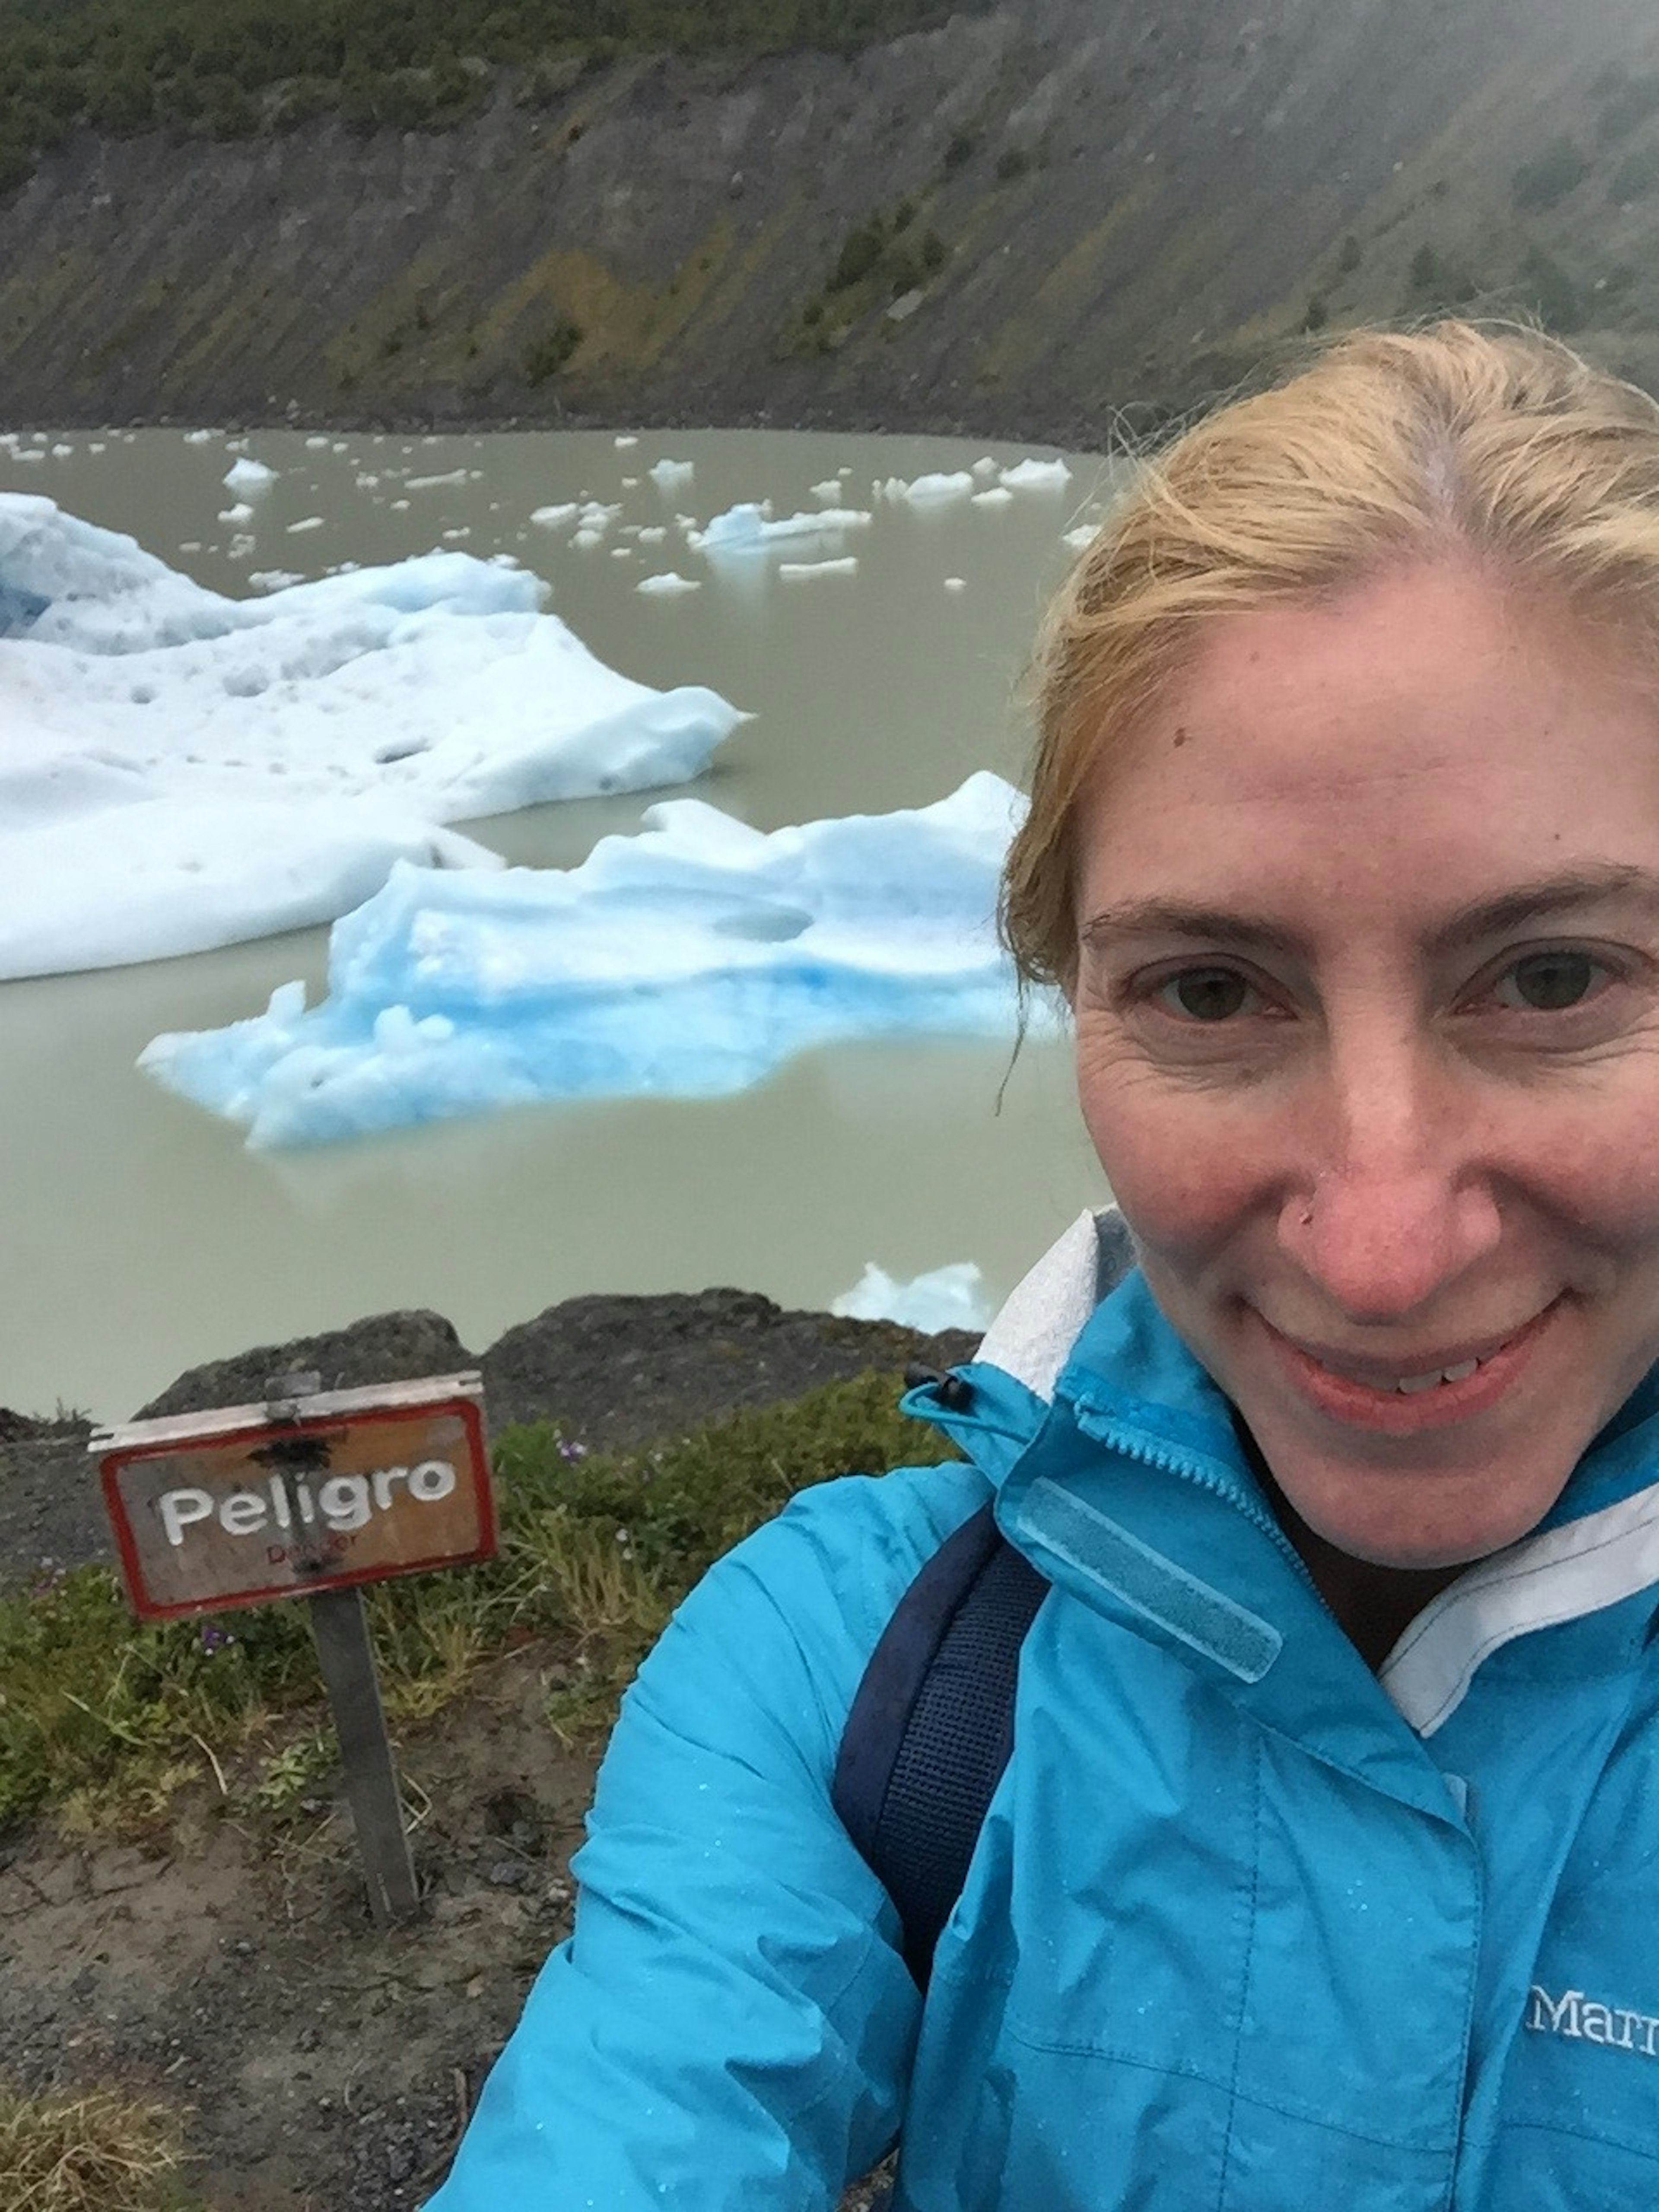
(1368, 1044)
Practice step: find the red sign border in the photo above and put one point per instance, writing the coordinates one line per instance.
(125, 1455)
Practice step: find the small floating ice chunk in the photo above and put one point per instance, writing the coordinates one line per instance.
(307, 522)
(1038, 475)
(246, 477)
(985, 466)
(830, 489)
(237, 515)
(936, 488)
(846, 566)
(624, 440)
(955, 583)
(998, 496)
(550, 517)
(669, 476)
(750, 528)
(945, 1298)
(200, 437)
(318, 442)
(435, 482)
(585, 539)
(273, 579)
(1085, 534)
(668, 586)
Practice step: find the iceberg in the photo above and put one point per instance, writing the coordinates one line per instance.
(935, 489)
(945, 1298)
(691, 959)
(180, 770)
(1031, 474)
(749, 528)
(245, 475)
(846, 566)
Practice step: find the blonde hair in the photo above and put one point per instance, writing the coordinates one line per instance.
(1494, 441)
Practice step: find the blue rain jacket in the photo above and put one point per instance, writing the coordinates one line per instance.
(1250, 1928)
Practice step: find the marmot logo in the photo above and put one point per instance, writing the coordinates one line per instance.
(1572, 2014)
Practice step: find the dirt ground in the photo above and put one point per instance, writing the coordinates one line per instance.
(230, 1967)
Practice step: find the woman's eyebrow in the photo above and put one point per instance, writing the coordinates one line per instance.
(1493, 917)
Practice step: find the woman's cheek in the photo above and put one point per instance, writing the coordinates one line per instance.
(1182, 1175)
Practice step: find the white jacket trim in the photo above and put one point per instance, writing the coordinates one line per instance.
(1043, 1314)
(1565, 1573)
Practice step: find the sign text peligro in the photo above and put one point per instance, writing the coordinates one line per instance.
(236, 1507)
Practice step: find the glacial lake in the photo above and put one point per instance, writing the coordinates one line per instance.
(140, 1237)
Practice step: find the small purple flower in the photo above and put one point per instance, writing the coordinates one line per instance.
(214, 1639)
(573, 1451)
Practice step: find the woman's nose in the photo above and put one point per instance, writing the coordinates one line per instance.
(1393, 1202)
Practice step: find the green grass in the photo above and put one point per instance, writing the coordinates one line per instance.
(92, 2153)
(103, 1721)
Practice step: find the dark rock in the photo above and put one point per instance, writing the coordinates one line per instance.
(394, 1347)
(609, 1368)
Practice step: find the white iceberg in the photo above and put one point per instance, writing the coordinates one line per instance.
(936, 489)
(671, 475)
(691, 959)
(945, 1298)
(668, 586)
(1037, 476)
(245, 475)
(749, 528)
(180, 770)
(846, 566)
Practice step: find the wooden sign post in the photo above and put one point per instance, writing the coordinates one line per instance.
(311, 1495)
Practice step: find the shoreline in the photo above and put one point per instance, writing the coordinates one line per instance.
(1123, 432)
(617, 1371)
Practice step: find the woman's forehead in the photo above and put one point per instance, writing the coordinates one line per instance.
(1416, 725)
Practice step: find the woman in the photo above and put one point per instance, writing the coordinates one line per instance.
(1325, 1866)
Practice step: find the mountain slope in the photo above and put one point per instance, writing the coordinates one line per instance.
(1023, 221)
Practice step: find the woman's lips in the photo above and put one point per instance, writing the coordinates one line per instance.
(1345, 1398)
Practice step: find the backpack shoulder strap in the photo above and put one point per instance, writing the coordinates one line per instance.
(931, 1726)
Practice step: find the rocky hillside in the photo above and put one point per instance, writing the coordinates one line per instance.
(1023, 221)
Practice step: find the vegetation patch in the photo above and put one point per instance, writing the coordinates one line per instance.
(1549, 177)
(1545, 287)
(103, 1720)
(96, 2153)
(1436, 286)
(882, 259)
(228, 69)
(543, 357)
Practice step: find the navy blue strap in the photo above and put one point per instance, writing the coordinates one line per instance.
(932, 1726)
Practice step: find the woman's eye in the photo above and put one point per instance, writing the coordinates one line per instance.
(1550, 983)
(1204, 995)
